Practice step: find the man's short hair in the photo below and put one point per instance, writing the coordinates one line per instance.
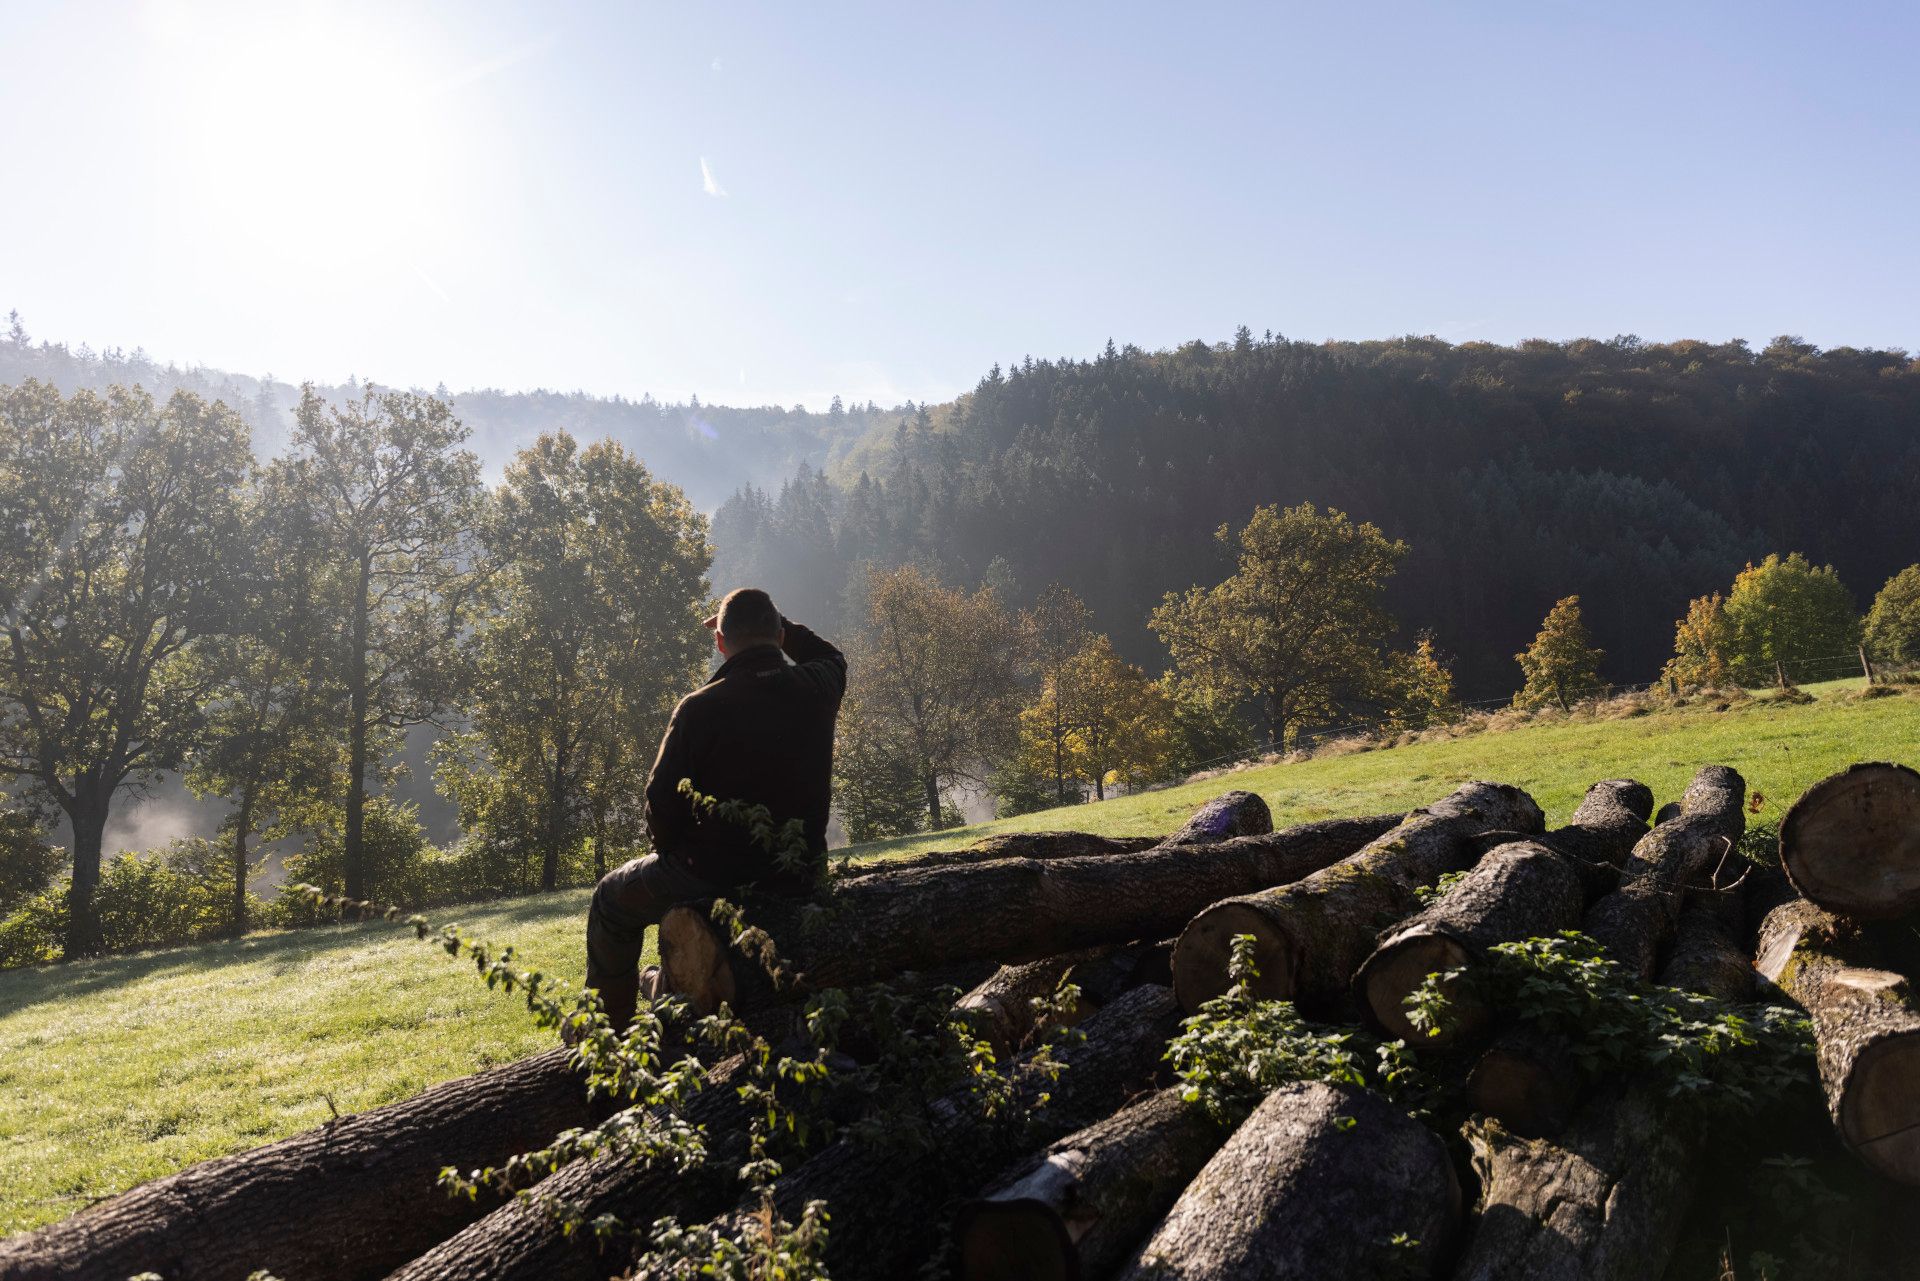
(747, 617)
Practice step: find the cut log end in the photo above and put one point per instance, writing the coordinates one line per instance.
(693, 962)
(1016, 1241)
(1201, 958)
(1401, 966)
(1880, 1108)
(1527, 1087)
(1852, 842)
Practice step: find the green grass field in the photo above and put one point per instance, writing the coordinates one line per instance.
(122, 1069)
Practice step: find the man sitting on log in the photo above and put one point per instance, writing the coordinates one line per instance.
(761, 731)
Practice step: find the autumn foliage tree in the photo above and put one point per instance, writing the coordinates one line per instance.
(1562, 664)
(938, 680)
(1298, 627)
(1702, 646)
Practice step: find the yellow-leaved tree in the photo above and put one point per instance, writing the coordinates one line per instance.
(1562, 664)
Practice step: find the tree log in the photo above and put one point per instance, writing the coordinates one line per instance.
(1081, 1207)
(1526, 1081)
(522, 1241)
(1637, 920)
(1852, 843)
(1224, 817)
(1520, 890)
(885, 1199)
(1001, 1006)
(1009, 910)
(1010, 845)
(1317, 1183)
(1867, 1023)
(1311, 935)
(353, 1198)
(1604, 1199)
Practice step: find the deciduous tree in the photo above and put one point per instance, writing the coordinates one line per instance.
(1893, 624)
(390, 493)
(1562, 663)
(1790, 616)
(1702, 646)
(119, 519)
(1299, 626)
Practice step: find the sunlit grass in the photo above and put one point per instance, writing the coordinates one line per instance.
(122, 1069)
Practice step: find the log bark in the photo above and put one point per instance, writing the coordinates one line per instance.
(1637, 920)
(885, 1199)
(1310, 936)
(1011, 845)
(353, 1198)
(1002, 1005)
(1080, 1207)
(1867, 1023)
(1010, 910)
(1605, 1197)
(1601, 1201)
(1523, 889)
(1224, 817)
(1315, 1184)
(521, 1241)
(1851, 843)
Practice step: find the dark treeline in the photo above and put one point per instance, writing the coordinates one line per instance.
(1638, 475)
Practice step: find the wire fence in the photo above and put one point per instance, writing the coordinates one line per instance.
(1807, 671)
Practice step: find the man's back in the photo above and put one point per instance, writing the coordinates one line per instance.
(761, 731)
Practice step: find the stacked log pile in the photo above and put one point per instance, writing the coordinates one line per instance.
(1114, 1169)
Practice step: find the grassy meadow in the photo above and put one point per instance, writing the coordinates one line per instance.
(118, 1070)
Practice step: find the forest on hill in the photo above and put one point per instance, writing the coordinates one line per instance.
(1637, 475)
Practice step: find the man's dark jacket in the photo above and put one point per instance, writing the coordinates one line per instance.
(760, 731)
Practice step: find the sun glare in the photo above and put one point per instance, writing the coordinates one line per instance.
(314, 126)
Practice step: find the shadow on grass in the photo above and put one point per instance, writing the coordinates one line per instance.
(24, 988)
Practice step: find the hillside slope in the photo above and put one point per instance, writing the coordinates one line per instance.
(121, 1069)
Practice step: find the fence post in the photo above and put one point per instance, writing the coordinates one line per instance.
(1866, 664)
(1780, 672)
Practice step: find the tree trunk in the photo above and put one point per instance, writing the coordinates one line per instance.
(1603, 1200)
(1867, 1024)
(1009, 910)
(242, 829)
(1527, 1082)
(1637, 920)
(1223, 818)
(1080, 1207)
(352, 840)
(599, 848)
(556, 822)
(885, 1198)
(1310, 936)
(1001, 1005)
(1322, 1181)
(1520, 890)
(1012, 845)
(1852, 842)
(351, 1199)
(522, 1241)
(932, 784)
(88, 817)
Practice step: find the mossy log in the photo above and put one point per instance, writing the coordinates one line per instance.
(885, 1197)
(1637, 921)
(1603, 1198)
(1867, 1023)
(1321, 1181)
(1010, 910)
(523, 1241)
(1311, 935)
(1851, 843)
(1080, 1207)
(353, 1198)
(1519, 890)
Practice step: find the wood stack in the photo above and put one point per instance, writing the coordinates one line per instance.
(1117, 1173)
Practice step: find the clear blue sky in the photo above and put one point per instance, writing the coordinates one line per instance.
(779, 202)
